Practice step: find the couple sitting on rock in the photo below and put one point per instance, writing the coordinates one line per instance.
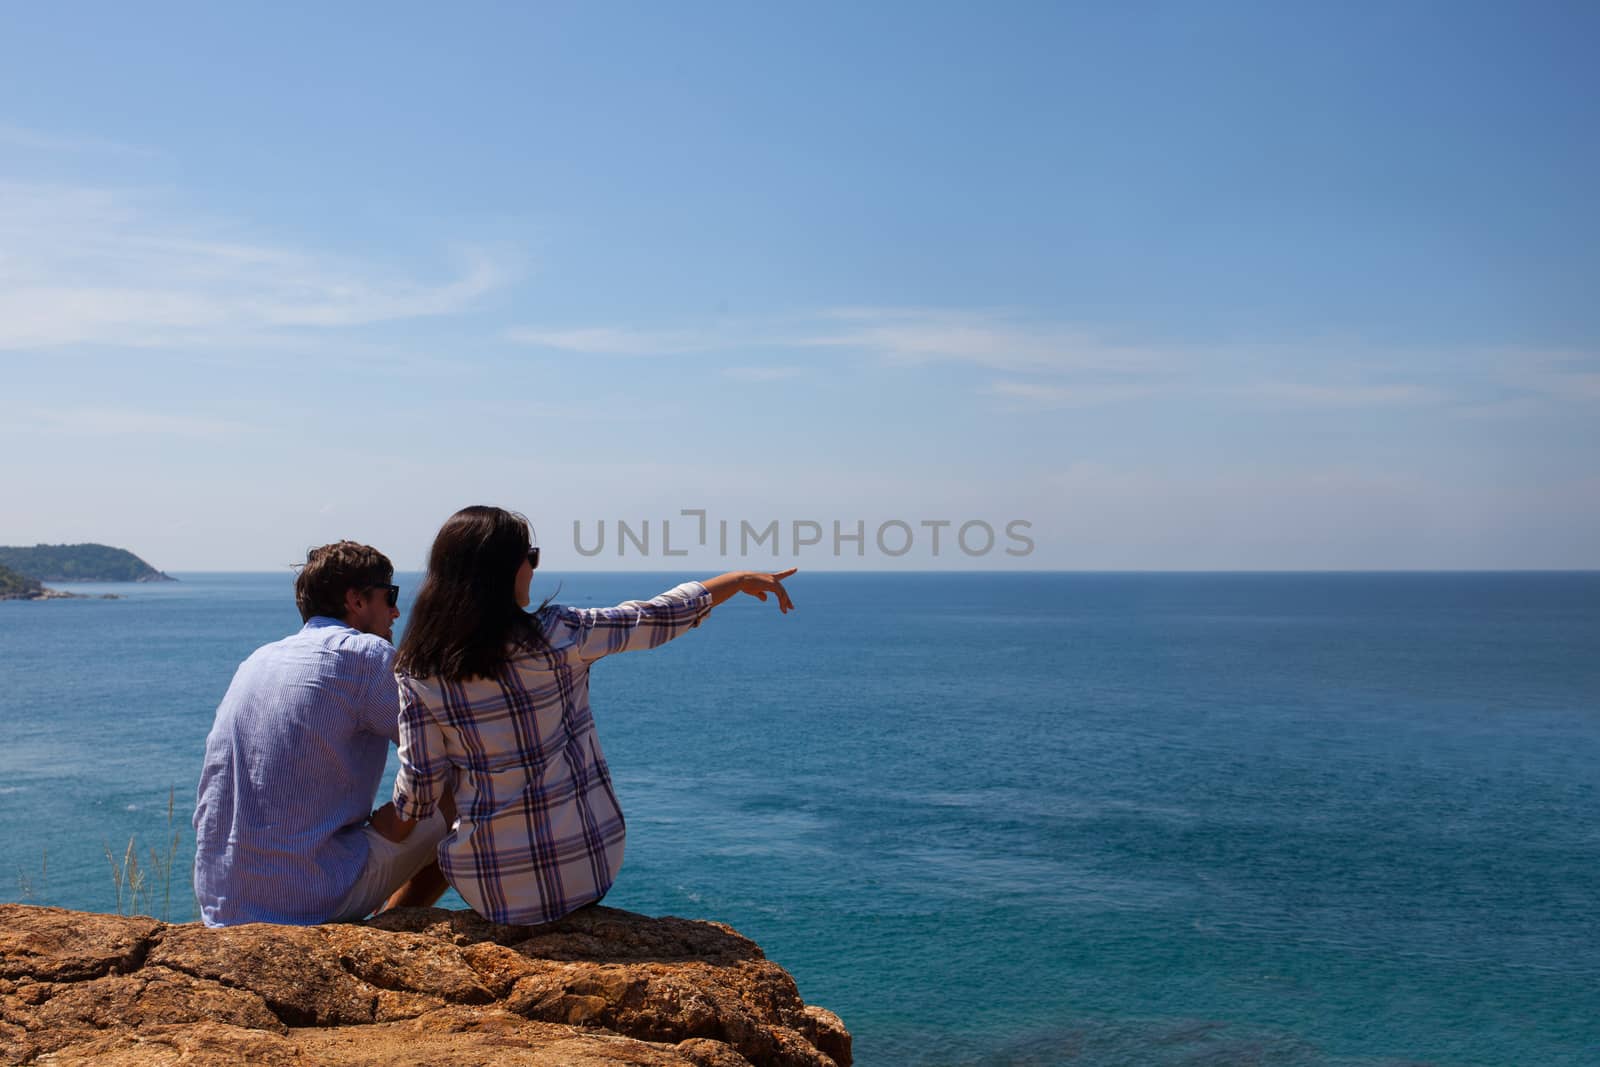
(502, 790)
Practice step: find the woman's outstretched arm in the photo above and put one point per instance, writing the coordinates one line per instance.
(640, 624)
(756, 583)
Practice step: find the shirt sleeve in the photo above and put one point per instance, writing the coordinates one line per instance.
(424, 769)
(638, 624)
(380, 712)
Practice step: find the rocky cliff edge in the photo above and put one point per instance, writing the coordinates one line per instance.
(414, 986)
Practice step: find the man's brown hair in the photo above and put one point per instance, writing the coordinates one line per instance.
(330, 570)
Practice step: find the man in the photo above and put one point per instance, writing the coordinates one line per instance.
(296, 755)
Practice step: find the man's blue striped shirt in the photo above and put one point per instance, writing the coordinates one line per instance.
(291, 768)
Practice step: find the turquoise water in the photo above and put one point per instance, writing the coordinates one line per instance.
(1009, 819)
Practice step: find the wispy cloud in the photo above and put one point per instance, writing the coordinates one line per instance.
(1323, 395)
(996, 340)
(1052, 397)
(112, 422)
(1562, 380)
(762, 374)
(616, 341)
(1266, 481)
(905, 336)
(26, 139)
(1523, 382)
(1283, 395)
(118, 267)
(1051, 365)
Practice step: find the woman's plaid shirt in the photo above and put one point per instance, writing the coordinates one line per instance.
(540, 830)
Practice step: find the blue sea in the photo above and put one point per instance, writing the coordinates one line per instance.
(1277, 819)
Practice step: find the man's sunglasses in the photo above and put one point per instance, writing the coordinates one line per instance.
(533, 557)
(393, 593)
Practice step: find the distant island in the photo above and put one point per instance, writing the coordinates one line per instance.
(78, 563)
(14, 586)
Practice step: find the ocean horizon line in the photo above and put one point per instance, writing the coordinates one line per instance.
(972, 570)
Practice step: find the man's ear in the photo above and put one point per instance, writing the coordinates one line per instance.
(352, 601)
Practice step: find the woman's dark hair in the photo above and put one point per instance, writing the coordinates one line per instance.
(328, 571)
(465, 622)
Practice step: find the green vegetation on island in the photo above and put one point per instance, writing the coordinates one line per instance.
(79, 563)
(14, 586)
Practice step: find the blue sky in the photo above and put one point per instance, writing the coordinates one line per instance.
(1239, 286)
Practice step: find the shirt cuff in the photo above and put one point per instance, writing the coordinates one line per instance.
(410, 808)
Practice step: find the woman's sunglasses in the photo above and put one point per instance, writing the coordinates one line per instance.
(533, 557)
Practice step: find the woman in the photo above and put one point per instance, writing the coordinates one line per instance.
(494, 708)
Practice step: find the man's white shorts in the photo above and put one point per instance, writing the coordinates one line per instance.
(390, 865)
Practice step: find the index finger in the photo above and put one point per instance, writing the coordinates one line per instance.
(784, 603)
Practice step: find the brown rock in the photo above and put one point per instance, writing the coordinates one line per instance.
(477, 1036)
(826, 1030)
(419, 986)
(411, 962)
(55, 945)
(751, 1006)
(498, 967)
(704, 1052)
(394, 1005)
(292, 968)
(194, 1043)
(153, 996)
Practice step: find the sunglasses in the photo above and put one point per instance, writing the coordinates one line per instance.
(533, 557)
(392, 592)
